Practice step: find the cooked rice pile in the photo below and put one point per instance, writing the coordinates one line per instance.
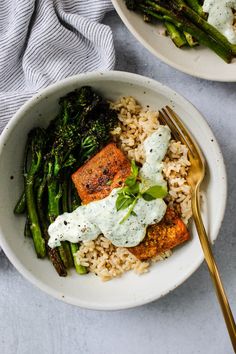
(107, 261)
(136, 123)
(175, 170)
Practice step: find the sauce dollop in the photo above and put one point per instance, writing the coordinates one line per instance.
(221, 16)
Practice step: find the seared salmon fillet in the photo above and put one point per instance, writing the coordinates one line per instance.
(167, 234)
(107, 170)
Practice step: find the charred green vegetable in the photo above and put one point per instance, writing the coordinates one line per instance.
(79, 131)
(186, 24)
(35, 148)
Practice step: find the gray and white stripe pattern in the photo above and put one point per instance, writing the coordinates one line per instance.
(43, 41)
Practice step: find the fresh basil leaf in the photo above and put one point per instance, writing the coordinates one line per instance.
(130, 181)
(134, 189)
(134, 169)
(147, 197)
(125, 191)
(126, 204)
(130, 211)
(123, 202)
(155, 192)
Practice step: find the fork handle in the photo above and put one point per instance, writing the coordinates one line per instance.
(210, 260)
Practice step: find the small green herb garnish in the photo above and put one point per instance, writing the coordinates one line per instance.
(154, 192)
(130, 193)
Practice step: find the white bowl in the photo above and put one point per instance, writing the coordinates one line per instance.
(88, 291)
(199, 61)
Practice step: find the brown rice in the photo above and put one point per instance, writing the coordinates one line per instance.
(136, 123)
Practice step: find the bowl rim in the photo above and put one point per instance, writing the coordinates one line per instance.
(163, 58)
(114, 76)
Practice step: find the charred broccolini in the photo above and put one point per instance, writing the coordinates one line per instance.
(79, 131)
(35, 147)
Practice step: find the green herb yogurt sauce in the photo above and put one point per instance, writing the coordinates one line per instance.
(88, 221)
(221, 16)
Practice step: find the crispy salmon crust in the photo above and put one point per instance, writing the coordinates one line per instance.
(107, 170)
(167, 234)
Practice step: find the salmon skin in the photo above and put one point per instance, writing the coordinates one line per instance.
(107, 170)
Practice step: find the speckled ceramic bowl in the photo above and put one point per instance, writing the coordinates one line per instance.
(88, 291)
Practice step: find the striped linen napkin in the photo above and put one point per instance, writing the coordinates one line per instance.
(43, 41)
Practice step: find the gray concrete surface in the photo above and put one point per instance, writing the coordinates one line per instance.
(188, 320)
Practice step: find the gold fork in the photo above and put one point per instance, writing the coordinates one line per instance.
(195, 177)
